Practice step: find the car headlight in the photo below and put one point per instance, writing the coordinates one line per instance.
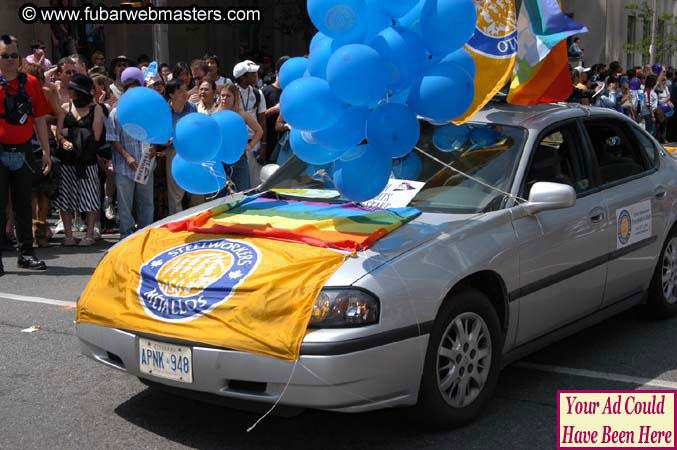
(344, 308)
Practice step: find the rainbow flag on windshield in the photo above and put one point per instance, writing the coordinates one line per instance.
(340, 226)
(541, 74)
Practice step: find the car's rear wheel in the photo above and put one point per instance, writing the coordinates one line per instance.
(462, 361)
(662, 300)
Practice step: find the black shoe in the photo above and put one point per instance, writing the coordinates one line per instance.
(31, 262)
(2, 269)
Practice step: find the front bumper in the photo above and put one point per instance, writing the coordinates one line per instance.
(372, 378)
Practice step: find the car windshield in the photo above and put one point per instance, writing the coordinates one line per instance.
(487, 153)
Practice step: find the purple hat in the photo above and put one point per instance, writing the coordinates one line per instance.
(132, 73)
(635, 84)
(657, 69)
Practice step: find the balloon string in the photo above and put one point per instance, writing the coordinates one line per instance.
(470, 177)
(216, 176)
(278, 399)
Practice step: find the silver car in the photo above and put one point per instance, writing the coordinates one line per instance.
(544, 221)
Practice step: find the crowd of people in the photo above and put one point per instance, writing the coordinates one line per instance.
(86, 168)
(643, 93)
(66, 153)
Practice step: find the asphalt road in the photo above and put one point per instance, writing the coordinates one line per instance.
(52, 397)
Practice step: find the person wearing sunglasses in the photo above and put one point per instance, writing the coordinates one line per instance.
(38, 55)
(117, 66)
(199, 70)
(23, 106)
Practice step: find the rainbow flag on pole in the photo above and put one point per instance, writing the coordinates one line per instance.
(541, 74)
(340, 226)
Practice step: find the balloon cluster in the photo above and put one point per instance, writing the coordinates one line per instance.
(373, 68)
(202, 142)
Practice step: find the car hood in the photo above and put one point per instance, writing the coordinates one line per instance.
(424, 228)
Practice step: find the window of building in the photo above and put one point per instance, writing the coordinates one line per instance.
(660, 40)
(632, 37)
(646, 35)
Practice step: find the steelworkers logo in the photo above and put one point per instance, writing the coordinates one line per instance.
(185, 282)
(624, 227)
(496, 31)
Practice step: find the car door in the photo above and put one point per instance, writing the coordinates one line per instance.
(626, 163)
(561, 252)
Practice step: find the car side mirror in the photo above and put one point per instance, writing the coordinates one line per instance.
(545, 196)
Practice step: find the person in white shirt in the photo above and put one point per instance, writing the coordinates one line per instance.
(214, 72)
(649, 103)
(207, 92)
(252, 102)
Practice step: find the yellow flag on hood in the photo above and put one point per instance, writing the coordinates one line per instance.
(493, 47)
(242, 293)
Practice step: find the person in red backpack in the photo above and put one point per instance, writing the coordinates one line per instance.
(23, 108)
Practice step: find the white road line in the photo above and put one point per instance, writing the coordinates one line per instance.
(644, 383)
(46, 301)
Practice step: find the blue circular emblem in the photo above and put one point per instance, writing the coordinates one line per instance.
(624, 227)
(185, 282)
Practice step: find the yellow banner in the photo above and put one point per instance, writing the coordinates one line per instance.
(493, 47)
(246, 294)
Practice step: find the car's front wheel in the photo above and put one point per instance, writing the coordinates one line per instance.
(462, 361)
(662, 300)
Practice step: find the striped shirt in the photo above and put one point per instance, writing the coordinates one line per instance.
(115, 133)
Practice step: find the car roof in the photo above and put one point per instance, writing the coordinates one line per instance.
(537, 117)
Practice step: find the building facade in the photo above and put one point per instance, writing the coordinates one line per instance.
(612, 25)
(285, 29)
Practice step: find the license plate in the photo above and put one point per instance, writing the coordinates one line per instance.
(163, 360)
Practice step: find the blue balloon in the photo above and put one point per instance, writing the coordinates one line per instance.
(203, 178)
(144, 115)
(451, 138)
(400, 97)
(408, 168)
(364, 176)
(357, 74)
(343, 20)
(292, 69)
(312, 153)
(234, 136)
(446, 25)
(404, 59)
(347, 132)
(463, 59)
(197, 138)
(412, 19)
(444, 93)
(319, 37)
(319, 57)
(377, 20)
(393, 130)
(483, 136)
(397, 8)
(310, 105)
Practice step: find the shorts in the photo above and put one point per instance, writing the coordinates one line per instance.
(44, 184)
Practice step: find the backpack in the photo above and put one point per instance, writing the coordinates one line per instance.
(18, 107)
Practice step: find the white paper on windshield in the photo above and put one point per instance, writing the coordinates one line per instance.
(397, 194)
(145, 166)
(309, 193)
